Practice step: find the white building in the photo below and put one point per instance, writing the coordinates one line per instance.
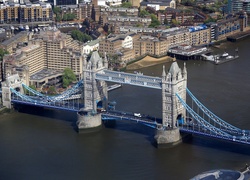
(127, 42)
(90, 46)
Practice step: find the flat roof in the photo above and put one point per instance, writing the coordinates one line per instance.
(45, 74)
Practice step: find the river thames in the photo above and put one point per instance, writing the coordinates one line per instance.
(46, 145)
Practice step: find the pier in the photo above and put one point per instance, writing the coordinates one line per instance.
(187, 52)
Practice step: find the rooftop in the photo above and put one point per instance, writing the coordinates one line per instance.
(16, 37)
(45, 73)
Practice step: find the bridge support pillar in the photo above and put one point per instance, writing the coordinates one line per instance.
(168, 137)
(89, 121)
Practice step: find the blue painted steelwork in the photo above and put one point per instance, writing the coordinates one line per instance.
(203, 122)
(66, 94)
(128, 78)
(202, 127)
(117, 116)
(199, 125)
(41, 102)
(213, 117)
(51, 106)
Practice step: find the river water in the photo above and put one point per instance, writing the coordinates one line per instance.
(45, 145)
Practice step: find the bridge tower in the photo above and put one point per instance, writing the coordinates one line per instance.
(94, 92)
(12, 81)
(173, 113)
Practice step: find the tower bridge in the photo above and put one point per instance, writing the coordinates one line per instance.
(89, 99)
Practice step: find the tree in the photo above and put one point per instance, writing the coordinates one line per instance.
(33, 87)
(144, 13)
(68, 77)
(175, 22)
(2, 53)
(154, 21)
(57, 11)
(78, 35)
(126, 5)
(69, 17)
(52, 90)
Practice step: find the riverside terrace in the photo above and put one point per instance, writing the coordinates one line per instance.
(187, 52)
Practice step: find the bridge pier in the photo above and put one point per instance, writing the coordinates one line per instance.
(168, 137)
(88, 121)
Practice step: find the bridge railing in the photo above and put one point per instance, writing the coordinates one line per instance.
(199, 125)
(213, 117)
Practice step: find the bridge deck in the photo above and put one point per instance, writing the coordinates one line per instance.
(128, 78)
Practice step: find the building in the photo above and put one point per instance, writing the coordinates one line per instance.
(114, 43)
(51, 50)
(235, 6)
(200, 35)
(27, 12)
(91, 46)
(229, 26)
(151, 46)
(65, 2)
(120, 11)
(126, 55)
(176, 36)
(126, 20)
(158, 5)
(11, 44)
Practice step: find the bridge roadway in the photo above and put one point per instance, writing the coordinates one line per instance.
(121, 115)
(137, 79)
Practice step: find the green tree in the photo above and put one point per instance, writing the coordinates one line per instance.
(78, 35)
(2, 53)
(68, 17)
(175, 22)
(126, 5)
(68, 77)
(154, 21)
(57, 11)
(33, 87)
(144, 13)
(52, 90)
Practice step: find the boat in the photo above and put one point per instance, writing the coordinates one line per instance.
(225, 57)
(219, 59)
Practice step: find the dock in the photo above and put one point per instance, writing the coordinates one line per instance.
(114, 86)
(187, 52)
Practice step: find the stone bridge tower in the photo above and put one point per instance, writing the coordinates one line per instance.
(94, 91)
(174, 82)
(14, 82)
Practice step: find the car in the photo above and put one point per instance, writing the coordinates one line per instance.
(137, 114)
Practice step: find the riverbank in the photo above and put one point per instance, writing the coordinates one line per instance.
(148, 61)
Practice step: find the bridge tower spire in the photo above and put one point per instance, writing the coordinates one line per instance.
(174, 82)
(94, 92)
